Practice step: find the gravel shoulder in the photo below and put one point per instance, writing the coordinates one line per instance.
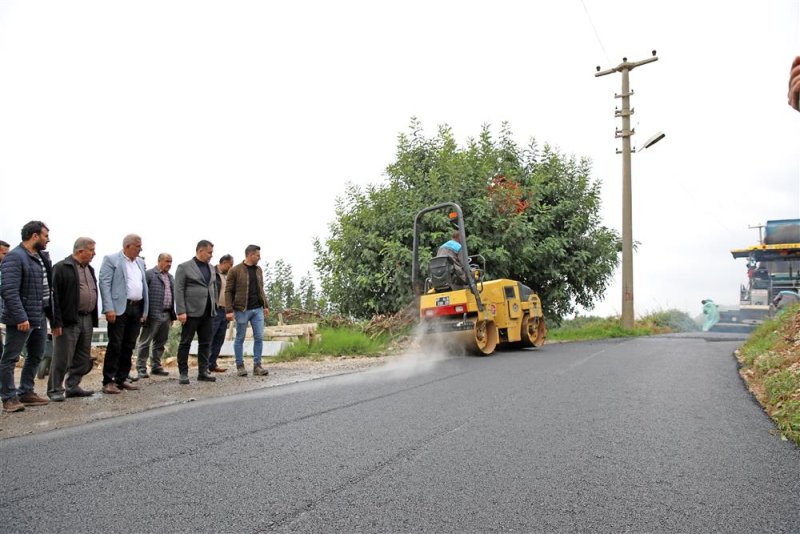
(159, 391)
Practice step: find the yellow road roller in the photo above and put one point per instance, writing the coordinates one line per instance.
(471, 314)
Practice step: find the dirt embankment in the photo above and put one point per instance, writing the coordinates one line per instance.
(158, 391)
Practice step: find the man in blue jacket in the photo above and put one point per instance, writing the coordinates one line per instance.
(27, 305)
(3, 251)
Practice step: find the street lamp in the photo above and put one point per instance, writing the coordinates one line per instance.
(653, 140)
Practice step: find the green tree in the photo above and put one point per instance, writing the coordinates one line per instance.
(532, 213)
(307, 294)
(279, 286)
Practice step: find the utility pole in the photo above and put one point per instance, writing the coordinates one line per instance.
(627, 220)
(760, 234)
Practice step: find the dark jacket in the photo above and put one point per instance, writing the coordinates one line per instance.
(236, 288)
(67, 286)
(192, 293)
(22, 289)
(156, 290)
(448, 250)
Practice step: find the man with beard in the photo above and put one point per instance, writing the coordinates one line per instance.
(26, 275)
(246, 303)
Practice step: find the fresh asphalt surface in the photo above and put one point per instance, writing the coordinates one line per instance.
(646, 434)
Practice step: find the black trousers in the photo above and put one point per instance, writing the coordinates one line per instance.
(203, 327)
(122, 336)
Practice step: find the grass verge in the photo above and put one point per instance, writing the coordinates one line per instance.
(770, 365)
(587, 328)
(347, 341)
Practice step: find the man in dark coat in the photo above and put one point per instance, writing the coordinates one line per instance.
(27, 278)
(75, 315)
(196, 303)
(3, 251)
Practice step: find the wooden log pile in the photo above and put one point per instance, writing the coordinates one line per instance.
(292, 332)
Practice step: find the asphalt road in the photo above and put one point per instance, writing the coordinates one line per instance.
(648, 434)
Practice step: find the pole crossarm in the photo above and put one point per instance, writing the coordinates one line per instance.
(626, 65)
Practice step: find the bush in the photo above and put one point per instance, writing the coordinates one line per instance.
(672, 320)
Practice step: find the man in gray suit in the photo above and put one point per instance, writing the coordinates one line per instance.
(195, 300)
(123, 289)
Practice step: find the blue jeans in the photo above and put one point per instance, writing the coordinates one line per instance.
(33, 340)
(255, 317)
(218, 331)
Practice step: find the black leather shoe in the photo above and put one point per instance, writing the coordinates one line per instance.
(206, 377)
(183, 379)
(160, 371)
(79, 392)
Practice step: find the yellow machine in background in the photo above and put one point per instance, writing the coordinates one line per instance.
(478, 317)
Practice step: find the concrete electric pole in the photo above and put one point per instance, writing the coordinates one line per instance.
(625, 133)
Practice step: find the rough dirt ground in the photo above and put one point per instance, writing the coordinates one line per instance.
(158, 391)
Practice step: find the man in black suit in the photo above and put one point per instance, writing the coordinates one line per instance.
(195, 300)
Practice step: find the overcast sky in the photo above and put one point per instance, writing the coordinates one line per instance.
(241, 122)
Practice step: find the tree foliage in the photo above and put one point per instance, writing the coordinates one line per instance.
(282, 294)
(307, 294)
(532, 212)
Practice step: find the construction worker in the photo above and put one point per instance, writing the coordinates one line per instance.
(785, 299)
(452, 249)
(711, 312)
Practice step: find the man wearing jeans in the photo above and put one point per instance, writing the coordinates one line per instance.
(27, 304)
(245, 303)
(220, 327)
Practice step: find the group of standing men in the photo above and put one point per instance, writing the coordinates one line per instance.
(139, 305)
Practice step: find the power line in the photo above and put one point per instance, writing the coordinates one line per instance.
(597, 35)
